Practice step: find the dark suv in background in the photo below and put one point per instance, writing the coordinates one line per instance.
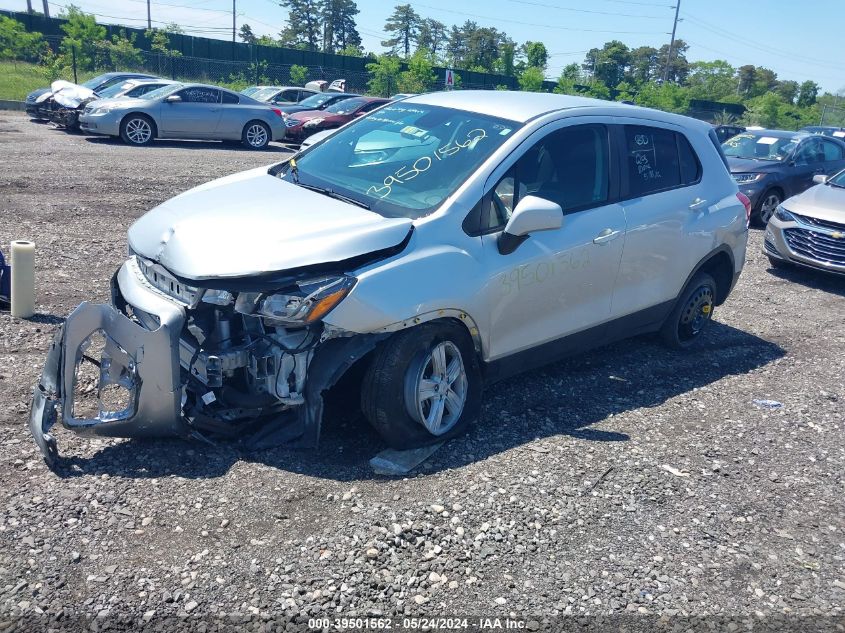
(771, 165)
(724, 132)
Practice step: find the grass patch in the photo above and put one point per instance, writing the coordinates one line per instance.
(18, 79)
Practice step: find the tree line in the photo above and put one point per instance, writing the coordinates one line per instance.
(414, 44)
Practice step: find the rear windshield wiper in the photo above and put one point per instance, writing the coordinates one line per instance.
(331, 193)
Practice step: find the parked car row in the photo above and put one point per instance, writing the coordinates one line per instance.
(140, 108)
(771, 165)
(796, 184)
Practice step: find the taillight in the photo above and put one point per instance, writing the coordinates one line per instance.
(278, 112)
(746, 202)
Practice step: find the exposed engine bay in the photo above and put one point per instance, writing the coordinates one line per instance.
(173, 359)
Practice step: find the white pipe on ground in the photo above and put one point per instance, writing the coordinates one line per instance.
(23, 279)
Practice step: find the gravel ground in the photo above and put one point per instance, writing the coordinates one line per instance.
(628, 480)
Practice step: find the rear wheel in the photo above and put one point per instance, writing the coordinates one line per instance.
(137, 129)
(256, 135)
(766, 208)
(691, 314)
(423, 385)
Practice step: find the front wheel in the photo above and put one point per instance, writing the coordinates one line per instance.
(423, 385)
(256, 135)
(768, 204)
(691, 314)
(137, 129)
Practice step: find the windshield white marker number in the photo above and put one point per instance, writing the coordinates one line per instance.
(423, 164)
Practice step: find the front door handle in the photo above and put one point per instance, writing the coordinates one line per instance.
(697, 204)
(608, 235)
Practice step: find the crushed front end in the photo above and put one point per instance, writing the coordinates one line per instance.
(175, 359)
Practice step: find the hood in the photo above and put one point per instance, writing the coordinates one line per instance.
(822, 201)
(744, 165)
(71, 96)
(32, 96)
(116, 103)
(254, 223)
(306, 115)
(291, 109)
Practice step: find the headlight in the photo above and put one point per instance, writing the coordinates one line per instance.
(313, 122)
(310, 301)
(744, 179)
(783, 215)
(102, 110)
(217, 297)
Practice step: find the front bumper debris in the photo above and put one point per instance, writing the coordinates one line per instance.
(140, 353)
(133, 359)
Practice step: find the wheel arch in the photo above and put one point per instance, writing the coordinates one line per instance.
(350, 375)
(720, 265)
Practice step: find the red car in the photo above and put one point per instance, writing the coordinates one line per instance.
(300, 125)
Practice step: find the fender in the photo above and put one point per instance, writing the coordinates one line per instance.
(724, 248)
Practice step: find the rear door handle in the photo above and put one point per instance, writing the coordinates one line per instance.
(698, 203)
(608, 235)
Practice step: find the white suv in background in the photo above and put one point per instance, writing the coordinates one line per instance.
(438, 243)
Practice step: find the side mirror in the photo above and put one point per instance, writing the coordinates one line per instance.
(819, 179)
(532, 214)
(172, 99)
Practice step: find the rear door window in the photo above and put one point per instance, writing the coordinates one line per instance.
(832, 151)
(228, 97)
(658, 159)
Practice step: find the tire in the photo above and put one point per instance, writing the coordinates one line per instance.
(410, 360)
(769, 201)
(256, 135)
(691, 314)
(137, 129)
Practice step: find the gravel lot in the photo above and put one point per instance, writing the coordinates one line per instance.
(628, 480)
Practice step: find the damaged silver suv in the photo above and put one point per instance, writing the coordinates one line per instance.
(432, 246)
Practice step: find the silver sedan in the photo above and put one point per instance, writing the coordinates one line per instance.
(809, 229)
(185, 111)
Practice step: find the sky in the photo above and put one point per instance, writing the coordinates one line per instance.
(798, 41)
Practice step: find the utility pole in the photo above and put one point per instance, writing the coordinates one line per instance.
(46, 8)
(29, 6)
(671, 42)
(233, 20)
(149, 17)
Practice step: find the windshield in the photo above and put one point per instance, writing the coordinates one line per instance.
(837, 180)
(316, 100)
(111, 91)
(250, 91)
(95, 81)
(402, 160)
(264, 94)
(347, 105)
(759, 146)
(160, 93)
